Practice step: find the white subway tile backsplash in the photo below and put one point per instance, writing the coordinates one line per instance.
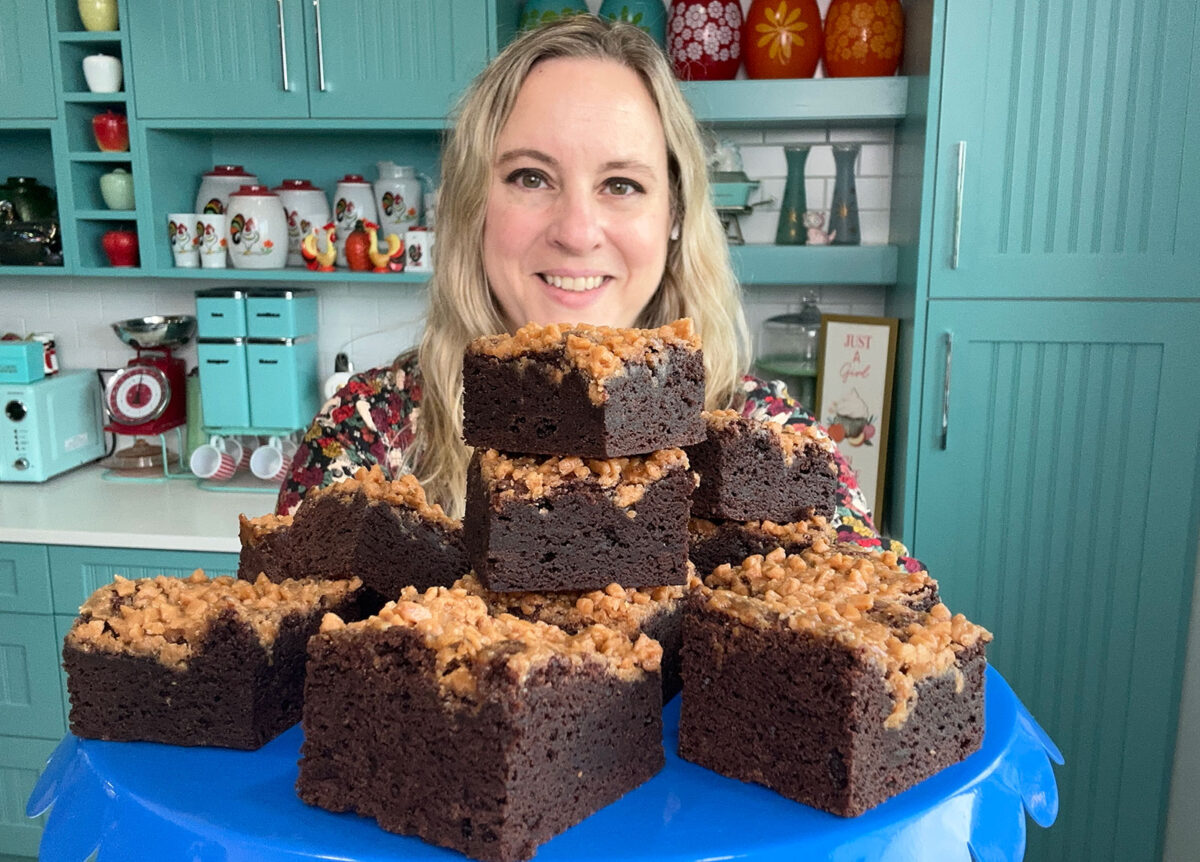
(875, 160)
(798, 135)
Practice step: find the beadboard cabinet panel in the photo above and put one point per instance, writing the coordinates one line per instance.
(1058, 515)
(21, 762)
(1073, 130)
(26, 78)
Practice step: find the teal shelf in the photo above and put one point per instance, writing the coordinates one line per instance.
(98, 156)
(106, 215)
(95, 97)
(32, 270)
(89, 37)
(815, 264)
(293, 274)
(799, 101)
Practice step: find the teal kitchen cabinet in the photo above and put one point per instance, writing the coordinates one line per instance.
(1068, 153)
(1055, 507)
(295, 59)
(26, 76)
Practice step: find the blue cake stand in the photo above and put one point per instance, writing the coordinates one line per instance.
(143, 801)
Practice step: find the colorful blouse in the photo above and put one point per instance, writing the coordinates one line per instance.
(370, 421)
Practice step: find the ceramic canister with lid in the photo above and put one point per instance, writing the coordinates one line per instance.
(307, 209)
(354, 201)
(257, 229)
(218, 184)
(398, 194)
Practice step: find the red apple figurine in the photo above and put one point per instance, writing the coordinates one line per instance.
(112, 132)
(121, 247)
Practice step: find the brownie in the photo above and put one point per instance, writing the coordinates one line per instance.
(566, 523)
(712, 543)
(592, 391)
(817, 675)
(384, 532)
(196, 661)
(483, 733)
(656, 612)
(751, 470)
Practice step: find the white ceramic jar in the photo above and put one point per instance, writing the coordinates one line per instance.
(257, 229)
(354, 201)
(218, 184)
(306, 209)
(398, 195)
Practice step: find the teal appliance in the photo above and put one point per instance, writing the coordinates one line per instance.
(50, 426)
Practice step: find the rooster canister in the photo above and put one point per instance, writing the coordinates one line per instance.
(218, 184)
(257, 228)
(306, 208)
(354, 200)
(398, 194)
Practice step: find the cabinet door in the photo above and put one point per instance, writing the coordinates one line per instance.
(1080, 150)
(220, 59)
(394, 59)
(26, 81)
(78, 572)
(1059, 514)
(21, 762)
(24, 578)
(30, 685)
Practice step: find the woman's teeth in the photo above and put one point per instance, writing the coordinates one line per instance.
(577, 285)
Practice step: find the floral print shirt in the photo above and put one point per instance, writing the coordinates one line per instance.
(370, 421)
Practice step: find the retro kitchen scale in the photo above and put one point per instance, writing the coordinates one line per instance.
(148, 397)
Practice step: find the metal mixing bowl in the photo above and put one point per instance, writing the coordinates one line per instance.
(171, 330)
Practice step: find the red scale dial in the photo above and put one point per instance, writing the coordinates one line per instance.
(137, 394)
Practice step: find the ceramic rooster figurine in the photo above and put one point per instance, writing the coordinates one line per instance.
(391, 260)
(314, 258)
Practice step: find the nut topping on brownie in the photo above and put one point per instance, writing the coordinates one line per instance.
(524, 477)
(790, 438)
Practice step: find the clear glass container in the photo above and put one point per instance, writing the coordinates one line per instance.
(787, 351)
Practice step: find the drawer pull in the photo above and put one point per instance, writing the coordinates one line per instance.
(958, 202)
(945, 424)
(283, 47)
(320, 47)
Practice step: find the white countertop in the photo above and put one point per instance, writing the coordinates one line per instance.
(82, 508)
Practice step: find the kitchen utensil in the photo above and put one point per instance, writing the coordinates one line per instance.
(102, 73)
(30, 200)
(353, 200)
(214, 242)
(116, 189)
(398, 195)
(183, 232)
(218, 184)
(306, 208)
(258, 231)
(218, 459)
(272, 460)
(149, 395)
(173, 330)
(34, 243)
(49, 426)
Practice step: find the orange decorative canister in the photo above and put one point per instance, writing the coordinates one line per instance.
(863, 38)
(782, 39)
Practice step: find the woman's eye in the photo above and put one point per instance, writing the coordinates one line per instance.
(527, 179)
(621, 187)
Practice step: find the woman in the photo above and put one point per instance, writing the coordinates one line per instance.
(574, 189)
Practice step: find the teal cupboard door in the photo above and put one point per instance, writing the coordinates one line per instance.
(219, 59)
(1075, 128)
(394, 59)
(26, 79)
(1060, 515)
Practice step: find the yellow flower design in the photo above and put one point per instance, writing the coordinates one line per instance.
(780, 31)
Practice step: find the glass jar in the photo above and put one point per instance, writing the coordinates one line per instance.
(788, 351)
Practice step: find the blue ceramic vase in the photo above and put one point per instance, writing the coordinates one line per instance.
(649, 16)
(791, 229)
(843, 211)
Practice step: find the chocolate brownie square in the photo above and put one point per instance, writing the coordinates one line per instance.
(751, 470)
(817, 675)
(592, 391)
(486, 734)
(656, 612)
(382, 531)
(567, 523)
(716, 542)
(196, 661)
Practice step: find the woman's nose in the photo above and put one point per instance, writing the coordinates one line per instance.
(576, 223)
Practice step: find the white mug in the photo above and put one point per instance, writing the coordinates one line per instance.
(102, 73)
(272, 460)
(418, 250)
(218, 459)
(214, 240)
(183, 230)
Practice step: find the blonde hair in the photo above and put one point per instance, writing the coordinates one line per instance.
(698, 280)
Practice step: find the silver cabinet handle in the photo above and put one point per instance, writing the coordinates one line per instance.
(958, 202)
(283, 47)
(945, 427)
(320, 47)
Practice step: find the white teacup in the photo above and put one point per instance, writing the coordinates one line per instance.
(102, 73)
(183, 231)
(272, 460)
(218, 459)
(214, 240)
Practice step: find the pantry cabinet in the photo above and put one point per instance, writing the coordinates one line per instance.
(26, 72)
(295, 59)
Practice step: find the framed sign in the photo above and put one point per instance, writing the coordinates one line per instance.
(854, 394)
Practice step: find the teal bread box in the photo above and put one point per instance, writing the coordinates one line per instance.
(21, 361)
(224, 385)
(285, 392)
(221, 313)
(281, 312)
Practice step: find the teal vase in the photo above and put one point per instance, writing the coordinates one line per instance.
(534, 13)
(649, 16)
(791, 230)
(843, 210)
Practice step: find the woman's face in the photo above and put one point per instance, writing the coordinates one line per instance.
(578, 212)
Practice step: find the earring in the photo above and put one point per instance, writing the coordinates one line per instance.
(675, 231)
